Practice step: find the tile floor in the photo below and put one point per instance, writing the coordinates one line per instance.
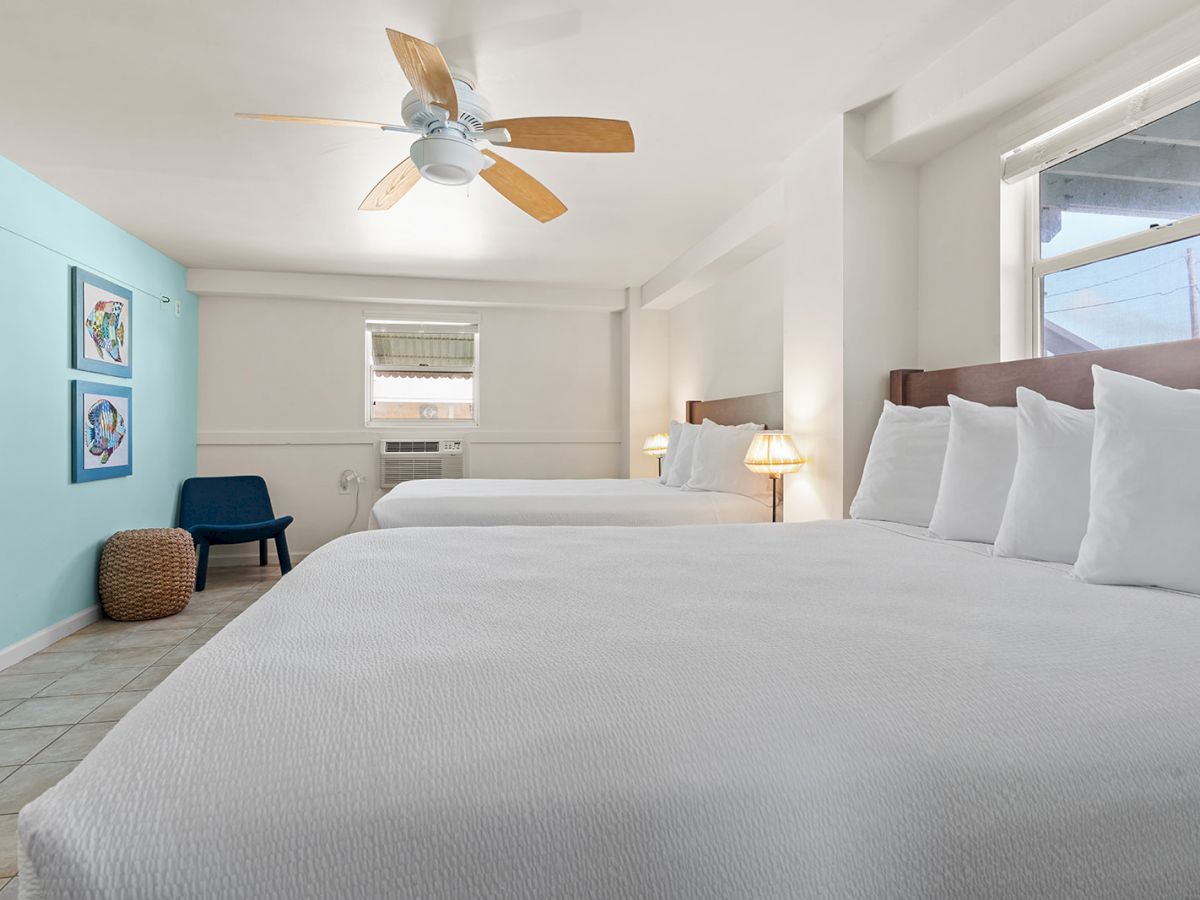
(56, 705)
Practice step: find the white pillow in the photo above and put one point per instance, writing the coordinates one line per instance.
(1144, 526)
(980, 458)
(1047, 511)
(681, 457)
(719, 462)
(904, 465)
(673, 432)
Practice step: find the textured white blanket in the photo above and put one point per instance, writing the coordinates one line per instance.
(829, 711)
(559, 501)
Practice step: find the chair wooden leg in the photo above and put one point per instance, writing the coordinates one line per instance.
(201, 565)
(262, 552)
(281, 550)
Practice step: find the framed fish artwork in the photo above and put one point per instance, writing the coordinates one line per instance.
(101, 431)
(102, 325)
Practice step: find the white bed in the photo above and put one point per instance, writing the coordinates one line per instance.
(831, 710)
(559, 501)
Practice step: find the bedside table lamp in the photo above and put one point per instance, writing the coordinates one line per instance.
(773, 454)
(656, 446)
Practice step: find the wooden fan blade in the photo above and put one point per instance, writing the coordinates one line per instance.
(311, 120)
(568, 134)
(522, 189)
(426, 70)
(394, 185)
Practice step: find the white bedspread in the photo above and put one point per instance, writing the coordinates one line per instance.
(823, 711)
(559, 501)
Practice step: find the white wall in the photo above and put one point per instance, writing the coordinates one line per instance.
(727, 341)
(645, 353)
(282, 394)
(850, 307)
(880, 315)
(958, 268)
(823, 315)
(812, 322)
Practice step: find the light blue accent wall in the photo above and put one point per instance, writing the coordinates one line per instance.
(51, 530)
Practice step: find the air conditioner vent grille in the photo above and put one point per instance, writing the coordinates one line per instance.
(411, 446)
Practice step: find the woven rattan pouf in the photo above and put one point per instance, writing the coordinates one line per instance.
(147, 574)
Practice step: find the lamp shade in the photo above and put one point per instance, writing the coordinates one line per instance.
(656, 445)
(772, 453)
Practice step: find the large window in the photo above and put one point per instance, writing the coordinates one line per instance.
(1119, 235)
(421, 372)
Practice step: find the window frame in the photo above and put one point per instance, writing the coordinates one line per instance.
(1039, 268)
(396, 321)
(1142, 240)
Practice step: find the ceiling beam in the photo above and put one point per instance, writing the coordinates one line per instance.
(740, 239)
(1028, 48)
(390, 289)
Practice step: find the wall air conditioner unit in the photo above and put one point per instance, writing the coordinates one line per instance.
(401, 461)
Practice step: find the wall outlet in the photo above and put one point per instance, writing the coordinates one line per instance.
(347, 479)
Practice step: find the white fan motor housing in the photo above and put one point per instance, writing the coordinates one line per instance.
(473, 109)
(446, 158)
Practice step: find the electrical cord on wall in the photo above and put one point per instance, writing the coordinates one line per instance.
(350, 476)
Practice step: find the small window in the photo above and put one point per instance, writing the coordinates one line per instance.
(1119, 234)
(421, 372)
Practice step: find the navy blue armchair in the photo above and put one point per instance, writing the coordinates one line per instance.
(232, 509)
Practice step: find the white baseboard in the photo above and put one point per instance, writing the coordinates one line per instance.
(14, 653)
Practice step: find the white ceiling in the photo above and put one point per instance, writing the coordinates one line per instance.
(128, 108)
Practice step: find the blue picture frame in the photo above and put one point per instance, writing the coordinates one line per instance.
(102, 339)
(101, 436)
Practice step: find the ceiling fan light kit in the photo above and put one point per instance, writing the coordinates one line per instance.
(445, 158)
(450, 119)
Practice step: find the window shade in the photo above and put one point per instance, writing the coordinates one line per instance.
(395, 350)
(423, 375)
(1156, 98)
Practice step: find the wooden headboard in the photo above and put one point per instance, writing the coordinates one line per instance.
(1067, 379)
(764, 408)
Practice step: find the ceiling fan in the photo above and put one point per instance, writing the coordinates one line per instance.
(451, 119)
